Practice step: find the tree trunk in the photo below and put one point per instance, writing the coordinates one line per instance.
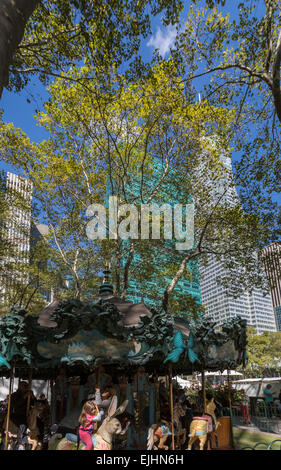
(169, 289)
(14, 15)
(127, 270)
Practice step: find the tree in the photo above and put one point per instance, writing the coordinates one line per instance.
(241, 48)
(46, 38)
(143, 142)
(231, 53)
(13, 18)
(263, 353)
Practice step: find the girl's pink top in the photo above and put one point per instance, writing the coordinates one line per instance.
(90, 420)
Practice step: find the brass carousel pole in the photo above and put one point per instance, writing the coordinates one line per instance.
(172, 405)
(203, 389)
(62, 403)
(12, 375)
(29, 390)
(230, 409)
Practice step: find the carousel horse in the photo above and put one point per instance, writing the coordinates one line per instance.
(157, 435)
(102, 439)
(202, 426)
(180, 432)
(32, 432)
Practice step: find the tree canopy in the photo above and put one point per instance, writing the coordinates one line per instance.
(46, 38)
(144, 142)
(111, 116)
(263, 354)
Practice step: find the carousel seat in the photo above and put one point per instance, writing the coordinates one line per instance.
(207, 418)
(71, 437)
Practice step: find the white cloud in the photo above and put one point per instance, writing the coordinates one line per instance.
(163, 40)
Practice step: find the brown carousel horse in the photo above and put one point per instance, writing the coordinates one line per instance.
(180, 432)
(201, 427)
(40, 407)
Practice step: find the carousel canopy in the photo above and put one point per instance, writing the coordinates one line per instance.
(80, 335)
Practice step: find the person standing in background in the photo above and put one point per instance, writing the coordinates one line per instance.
(269, 399)
(245, 408)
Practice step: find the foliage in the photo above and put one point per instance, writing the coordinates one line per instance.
(109, 121)
(192, 396)
(160, 146)
(263, 354)
(99, 34)
(220, 393)
(235, 52)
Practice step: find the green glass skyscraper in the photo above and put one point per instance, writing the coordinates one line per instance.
(148, 285)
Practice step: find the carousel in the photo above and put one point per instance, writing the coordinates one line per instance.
(129, 352)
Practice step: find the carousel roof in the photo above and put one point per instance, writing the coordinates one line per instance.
(111, 331)
(132, 312)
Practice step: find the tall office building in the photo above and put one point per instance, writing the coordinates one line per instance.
(255, 307)
(19, 196)
(18, 234)
(15, 232)
(272, 263)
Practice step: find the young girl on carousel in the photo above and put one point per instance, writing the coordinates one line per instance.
(89, 417)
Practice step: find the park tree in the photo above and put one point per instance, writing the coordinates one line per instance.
(235, 49)
(46, 38)
(110, 118)
(263, 352)
(147, 141)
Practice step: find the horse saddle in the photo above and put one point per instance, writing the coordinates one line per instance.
(71, 437)
(207, 418)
